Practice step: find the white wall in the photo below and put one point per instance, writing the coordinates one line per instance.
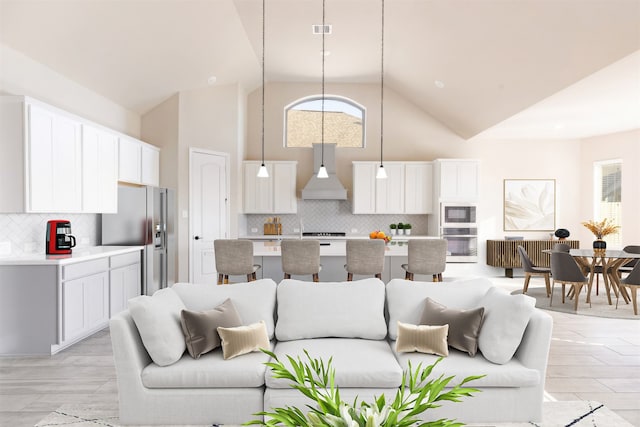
(23, 76)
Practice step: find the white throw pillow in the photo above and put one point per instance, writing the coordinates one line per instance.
(158, 321)
(331, 309)
(505, 319)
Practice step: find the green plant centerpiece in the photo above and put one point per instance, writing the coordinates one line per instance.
(316, 380)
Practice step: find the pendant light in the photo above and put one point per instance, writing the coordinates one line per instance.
(382, 174)
(263, 172)
(322, 172)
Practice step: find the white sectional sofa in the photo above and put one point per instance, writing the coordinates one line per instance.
(356, 323)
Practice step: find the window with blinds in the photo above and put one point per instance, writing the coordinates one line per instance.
(608, 195)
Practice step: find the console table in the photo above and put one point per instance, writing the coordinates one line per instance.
(504, 253)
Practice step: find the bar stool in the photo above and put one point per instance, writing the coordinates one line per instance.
(301, 257)
(365, 257)
(234, 257)
(426, 256)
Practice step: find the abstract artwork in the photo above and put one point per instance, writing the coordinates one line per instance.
(529, 204)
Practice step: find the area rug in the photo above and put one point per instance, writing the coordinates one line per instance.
(599, 304)
(555, 414)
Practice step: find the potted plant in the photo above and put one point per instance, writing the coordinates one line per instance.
(601, 229)
(393, 228)
(400, 228)
(407, 229)
(316, 380)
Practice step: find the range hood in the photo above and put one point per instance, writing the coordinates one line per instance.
(324, 188)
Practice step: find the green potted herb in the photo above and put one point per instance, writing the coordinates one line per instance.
(407, 229)
(400, 228)
(393, 228)
(316, 380)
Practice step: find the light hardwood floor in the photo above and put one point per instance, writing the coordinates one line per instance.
(591, 358)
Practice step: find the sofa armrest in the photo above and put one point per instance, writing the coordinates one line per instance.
(533, 351)
(129, 353)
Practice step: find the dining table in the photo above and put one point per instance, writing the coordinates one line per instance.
(610, 260)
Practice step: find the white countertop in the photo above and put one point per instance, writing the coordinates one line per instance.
(326, 238)
(78, 255)
(335, 248)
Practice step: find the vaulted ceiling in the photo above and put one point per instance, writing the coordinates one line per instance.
(507, 68)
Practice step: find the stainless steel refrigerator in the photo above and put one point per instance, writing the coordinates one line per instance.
(145, 217)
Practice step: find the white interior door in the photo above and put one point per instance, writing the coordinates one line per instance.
(208, 195)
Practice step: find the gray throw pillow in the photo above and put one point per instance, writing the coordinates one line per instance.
(200, 327)
(464, 325)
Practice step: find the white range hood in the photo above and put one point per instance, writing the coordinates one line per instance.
(324, 188)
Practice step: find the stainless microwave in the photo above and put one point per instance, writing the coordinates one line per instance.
(456, 214)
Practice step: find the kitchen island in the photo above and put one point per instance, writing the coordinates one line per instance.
(333, 252)
(49, 302)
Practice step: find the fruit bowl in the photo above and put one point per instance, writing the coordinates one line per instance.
(377, 234)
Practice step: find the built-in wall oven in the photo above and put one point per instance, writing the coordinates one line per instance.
(459, 228)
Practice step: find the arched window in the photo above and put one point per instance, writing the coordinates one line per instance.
(343, 122)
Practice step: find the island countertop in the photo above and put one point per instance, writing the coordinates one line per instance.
(334, 248)
(78, 255)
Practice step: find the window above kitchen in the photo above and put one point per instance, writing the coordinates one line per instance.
(343, 122)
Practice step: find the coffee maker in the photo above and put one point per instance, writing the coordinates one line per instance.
(59, 239)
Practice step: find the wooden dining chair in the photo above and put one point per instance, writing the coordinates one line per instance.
(565, 270)
(533, 270)
(632, 283)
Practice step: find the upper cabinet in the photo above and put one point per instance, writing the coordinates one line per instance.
(139, 162)
(407, 188)
(54, 161)
(273, 195)
(456, 180)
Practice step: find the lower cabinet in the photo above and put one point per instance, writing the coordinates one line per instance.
(85, 305)
(124, 285)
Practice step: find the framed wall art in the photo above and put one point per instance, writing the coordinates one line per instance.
(529, 204)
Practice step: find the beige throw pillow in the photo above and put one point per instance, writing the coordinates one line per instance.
(199, 327)
(244, 339)
(422, 338)
(464, 325)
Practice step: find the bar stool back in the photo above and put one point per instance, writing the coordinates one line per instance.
(365, 257)
(301, 257)
(234, 257)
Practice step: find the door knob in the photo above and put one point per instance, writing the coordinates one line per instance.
(197, 237)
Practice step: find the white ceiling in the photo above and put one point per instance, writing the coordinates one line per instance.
(511, 69)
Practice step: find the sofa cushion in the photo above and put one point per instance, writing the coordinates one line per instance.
(464, 325)
(254, 301)
(422, 338)
(243, 339)
(358, 362)
(405, 298)
(331, 309)
(505, 320)
(157, 318)
(200, 327)
(459, 365)
(210, 371)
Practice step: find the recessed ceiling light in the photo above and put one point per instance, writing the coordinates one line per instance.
(439, 84)
(212, 80)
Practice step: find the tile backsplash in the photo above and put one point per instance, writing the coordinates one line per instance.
(25, 233)
(335, 215)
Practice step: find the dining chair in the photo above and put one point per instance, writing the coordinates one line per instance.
(565, 269)
(234, 257)
(561, 247)
(301, 257)
(532, 270)
(426, 256)
(628, 266)
(631, 282)
(365, 257)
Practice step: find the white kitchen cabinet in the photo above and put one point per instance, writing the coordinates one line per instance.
(125, 281)
(54, 163)
(273, 195)
(99, 170)
(418, 188)
(457, 180)
(85, 305)
(150, 165)
(407, 188)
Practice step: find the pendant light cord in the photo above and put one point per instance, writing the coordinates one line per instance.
(382, 87)
(322, 129)
(263, 44)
